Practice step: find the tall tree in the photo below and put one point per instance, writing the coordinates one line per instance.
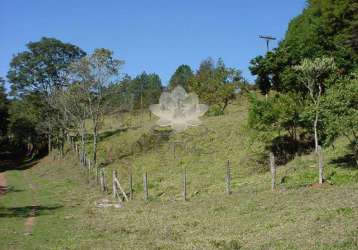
(122, 99)
(215, 84)
(4, 109)
(313, 74)
(25, 121)
(42, 69)
(181, 76)
(259, 68)
(71, 101)
(146, 89)
(96, 73)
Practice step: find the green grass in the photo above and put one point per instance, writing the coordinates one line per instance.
(298, 215)
(58, 191)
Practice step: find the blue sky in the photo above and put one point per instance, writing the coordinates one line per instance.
(150, 35)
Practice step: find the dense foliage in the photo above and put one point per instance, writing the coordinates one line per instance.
(41, 69)
(311, 69)
(145, 90)
(181, 76)
(340, 111)
(325, 28)
(4, 110)
(215, 84)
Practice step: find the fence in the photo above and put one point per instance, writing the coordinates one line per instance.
(99, 174)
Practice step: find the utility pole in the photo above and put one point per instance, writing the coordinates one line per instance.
(268, 39)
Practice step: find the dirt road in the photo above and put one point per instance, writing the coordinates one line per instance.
(2, 183)
(9, 164)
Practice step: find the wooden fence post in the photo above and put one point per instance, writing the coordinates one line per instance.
(120, 187)
(84, 159)
(228, 178)
(79, 154)
(100, 180)
(130, 185)
(89, 168)
(81, 157)
(145, 180)
(114, 186)
(103, 188)
(184, 184)
(273, 171)
(97, 174)
(320, 165)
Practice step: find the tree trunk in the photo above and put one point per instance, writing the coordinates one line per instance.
(62, 149)
(63, 138)
(315, 132)
(320, 165)
(83, 141)
(273, 171)
(226, 103)
(95, 144)
(49, 138)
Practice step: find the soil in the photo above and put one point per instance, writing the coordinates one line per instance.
(2, 184)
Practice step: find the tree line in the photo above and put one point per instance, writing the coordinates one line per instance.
(59, 92)
(308, 88)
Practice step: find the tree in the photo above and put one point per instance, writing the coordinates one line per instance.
(340, 112)
(121, 100)
(215, 84)
(72, 102)
(4, 110)
(42, 69)
(325, 28)
(181, 76)
(25, 116)
(262, 80)
(313, 74)
(278, 112)
(145, 89)
(96, 73)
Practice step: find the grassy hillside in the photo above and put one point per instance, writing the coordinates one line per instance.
(204, 151)
(299, 215)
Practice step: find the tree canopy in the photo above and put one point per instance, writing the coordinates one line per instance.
(181, 76)
(215, 84)
(42, 69)
(325, 28)
(43, 66)
(4, 109)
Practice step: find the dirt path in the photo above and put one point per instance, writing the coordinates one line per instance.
(30, 220)
(18, 163)
(2, 183)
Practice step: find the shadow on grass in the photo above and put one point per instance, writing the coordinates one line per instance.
(9, 189)
(107, 134)
(347, 161)
(286, 148)
(27, 211)
(18, 165)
